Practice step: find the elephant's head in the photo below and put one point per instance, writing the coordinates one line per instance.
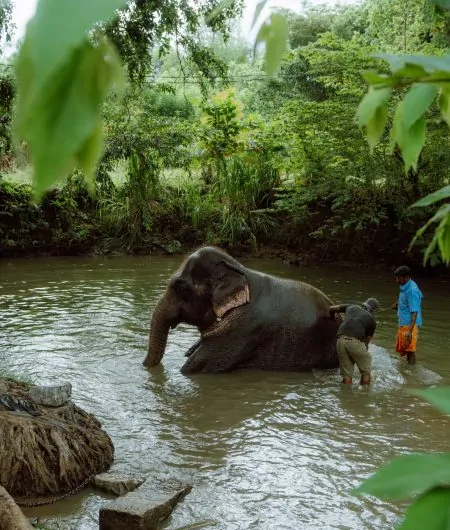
(209, 284)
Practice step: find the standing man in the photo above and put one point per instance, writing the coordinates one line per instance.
(354, 335)
(409, 313)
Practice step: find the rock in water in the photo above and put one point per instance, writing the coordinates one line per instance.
(52, 453)
(116, 483)
(144, 508)
(51, 395)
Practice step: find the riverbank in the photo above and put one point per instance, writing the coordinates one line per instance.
(70, 222)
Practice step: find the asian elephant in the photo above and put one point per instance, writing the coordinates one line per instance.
(247, 319)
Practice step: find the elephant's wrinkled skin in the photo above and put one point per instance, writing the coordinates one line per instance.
(246, 318)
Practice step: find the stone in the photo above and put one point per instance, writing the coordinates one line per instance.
(144, 508)
(11, 516)
(116, 483)
(51, 396)
(51, 524)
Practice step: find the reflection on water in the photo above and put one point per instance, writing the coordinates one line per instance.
(263, 449)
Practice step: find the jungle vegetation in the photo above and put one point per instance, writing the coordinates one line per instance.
(202, 147)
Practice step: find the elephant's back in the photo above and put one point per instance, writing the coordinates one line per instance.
(292, 321)
(293, 299)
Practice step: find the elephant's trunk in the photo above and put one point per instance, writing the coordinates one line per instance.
(165, 316)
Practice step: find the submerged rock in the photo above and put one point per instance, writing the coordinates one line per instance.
(11, 516)
(144, 508)
(116, 483)
(51, 524)
(52, 453)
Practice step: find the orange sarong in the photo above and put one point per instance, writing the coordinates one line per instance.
(401, 345)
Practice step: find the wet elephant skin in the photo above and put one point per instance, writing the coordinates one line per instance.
(247, 319)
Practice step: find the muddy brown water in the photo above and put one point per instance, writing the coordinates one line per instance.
(263, 450)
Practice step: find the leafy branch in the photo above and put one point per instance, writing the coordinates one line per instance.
(428, 81)
(423, 476)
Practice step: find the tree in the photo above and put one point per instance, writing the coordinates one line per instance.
(6, 22)
(404, 25)
(64, 82)
(306, 27)
(155, 25)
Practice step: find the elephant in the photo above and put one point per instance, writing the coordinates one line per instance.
(246, 319)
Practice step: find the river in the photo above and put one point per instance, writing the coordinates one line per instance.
(263, 450)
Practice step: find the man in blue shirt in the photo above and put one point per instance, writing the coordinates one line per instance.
(409, 313)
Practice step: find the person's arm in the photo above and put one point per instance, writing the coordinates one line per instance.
(414, 308)
(412, 323)
(370, 332)
(334, 309)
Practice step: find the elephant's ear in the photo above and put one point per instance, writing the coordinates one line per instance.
(231, 289)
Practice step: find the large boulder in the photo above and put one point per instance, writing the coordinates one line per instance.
(52, 453)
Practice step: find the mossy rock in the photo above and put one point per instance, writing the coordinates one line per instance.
(52, 453)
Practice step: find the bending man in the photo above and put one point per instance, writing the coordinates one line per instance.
(354, 335)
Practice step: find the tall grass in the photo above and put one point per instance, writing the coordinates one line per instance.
(242, 190)
(127, 211)
(229, 210)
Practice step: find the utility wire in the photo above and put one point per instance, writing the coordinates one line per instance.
(195, 80)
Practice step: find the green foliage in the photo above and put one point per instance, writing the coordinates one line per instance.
(7, 92)
(407, 476)
(222, 126)
(426, 78)
(441, 238)
(127, 212)
(333, 187)
(155, 25)
(61, 84)
(273, 33)
(62, 223)
(306, 27)
(425, 476)
(6, 22)
(439, 397)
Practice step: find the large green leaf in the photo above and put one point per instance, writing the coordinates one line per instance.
(274, 34)
(259, 7)
(444, 105)
(443, 193)
(408, 475)
(410, 142)
(58, 27)
(62, 122)
(441, 236)
(408, 129)
(442, 3)
(430, 512)
(374, 98)
(377, 79)
(376, 126)
(429, 63)
(439, 397)
(416, 103)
